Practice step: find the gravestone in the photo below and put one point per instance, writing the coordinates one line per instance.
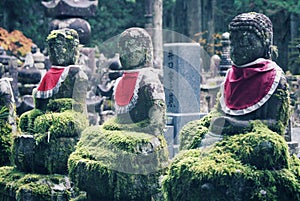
(182, 85)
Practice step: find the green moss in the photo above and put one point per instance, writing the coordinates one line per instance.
(284, 112)
(62, 104)
(26, 123)
(261, 148)
(118, 164)
(192, 134)
(142, 126)
(253, 166)
(55, 136)
(5, 142)
(64, 124)
(15, 185)
(106, 145)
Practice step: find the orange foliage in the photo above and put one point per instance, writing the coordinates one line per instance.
(15, 42)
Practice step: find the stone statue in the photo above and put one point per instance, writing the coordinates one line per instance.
(50, 131)
(241, 137)
(139, 93)
(129, 149)
(255, 87)
(64, 79)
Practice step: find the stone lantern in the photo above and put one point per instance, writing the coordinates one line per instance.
(226, 62)
(70, 14)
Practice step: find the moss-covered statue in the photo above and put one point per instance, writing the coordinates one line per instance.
(238, 151)
(64, 79)
(51, 130)
(124, 158)
(7, 120)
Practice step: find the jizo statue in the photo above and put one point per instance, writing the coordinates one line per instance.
(255, 88)
(64, 79)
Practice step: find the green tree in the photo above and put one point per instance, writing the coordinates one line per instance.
(26, 16)
(114, 16)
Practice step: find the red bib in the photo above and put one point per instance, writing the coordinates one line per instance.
(51, 82)
(125, 88)
(244, 87)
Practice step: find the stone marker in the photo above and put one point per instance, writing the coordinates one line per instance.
(182, 83)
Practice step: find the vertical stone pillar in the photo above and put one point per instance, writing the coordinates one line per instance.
(225, 62)
(182, 85)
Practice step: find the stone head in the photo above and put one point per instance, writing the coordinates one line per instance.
(251, 37)
(135, 48)
(63, 47)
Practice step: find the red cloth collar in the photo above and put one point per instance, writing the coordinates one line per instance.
(244, 87)
(125, 88)
(50, 79)
(51, 82)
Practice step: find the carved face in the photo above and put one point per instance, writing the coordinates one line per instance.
(63, 47)
(245, 47)
(60, 53)
(136, 51)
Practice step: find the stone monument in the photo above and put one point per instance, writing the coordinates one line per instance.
(182, 87)
(225, 62)
(239, 150)
(51, 130)
(124, 158)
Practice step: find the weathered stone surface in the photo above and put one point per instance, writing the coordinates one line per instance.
(182, 77)
(182, 84)
(29, 75)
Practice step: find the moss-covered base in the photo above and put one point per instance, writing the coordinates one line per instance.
(50, 139)
(193, 132)
(15, 185)
(254, 166)
(5, 137)
(118, 164)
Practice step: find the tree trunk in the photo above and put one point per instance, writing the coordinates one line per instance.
(194, 18)
(157, 33)
(281, 29)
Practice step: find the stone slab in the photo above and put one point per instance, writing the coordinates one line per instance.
(182, 77)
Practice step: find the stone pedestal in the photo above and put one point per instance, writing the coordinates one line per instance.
(182, 83)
